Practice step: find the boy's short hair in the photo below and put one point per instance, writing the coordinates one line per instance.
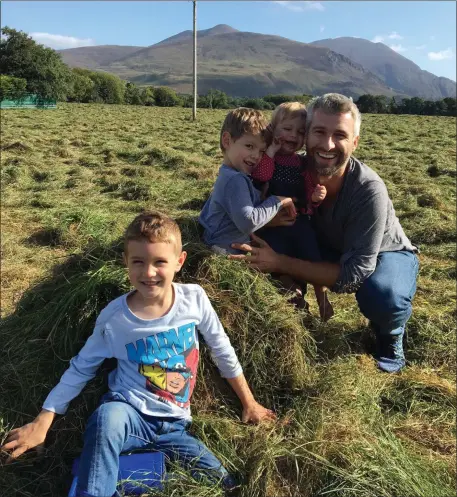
(153, 227)
(241, 121)
(288, 110)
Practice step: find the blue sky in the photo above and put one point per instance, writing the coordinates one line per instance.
(425, 32)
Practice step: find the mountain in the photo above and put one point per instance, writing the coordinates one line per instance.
(96, 56)
(239, 63)
(396, 71)
(220, 29)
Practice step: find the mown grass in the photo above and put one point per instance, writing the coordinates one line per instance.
(71, 181)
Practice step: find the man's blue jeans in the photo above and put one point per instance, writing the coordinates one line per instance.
(116, 426)
(385, 298)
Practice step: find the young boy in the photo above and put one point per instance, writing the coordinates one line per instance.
(152, 332)
(235, 209)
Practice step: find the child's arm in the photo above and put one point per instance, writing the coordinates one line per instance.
(239, 203)
(227, 362)
(83, 367)
(28, 436)
(253, 412)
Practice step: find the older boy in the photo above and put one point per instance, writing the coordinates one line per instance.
(235, 208)
(152, 332)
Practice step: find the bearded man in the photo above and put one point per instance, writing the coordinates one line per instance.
(363, 245)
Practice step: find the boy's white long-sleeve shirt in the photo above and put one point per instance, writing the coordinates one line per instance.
(157, 359)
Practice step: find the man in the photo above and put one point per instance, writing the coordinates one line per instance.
(364, 247)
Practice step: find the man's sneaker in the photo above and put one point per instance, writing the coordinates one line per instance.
(390, 356)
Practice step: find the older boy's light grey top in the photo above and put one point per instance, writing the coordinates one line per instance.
(360, 224)
(234, 210)
(157, 359)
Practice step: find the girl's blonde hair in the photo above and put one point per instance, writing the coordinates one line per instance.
(288, 110)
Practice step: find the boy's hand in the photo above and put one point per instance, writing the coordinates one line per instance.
(274, 147)
(28, 436)
(256, 413)
(319, 194)
(288, 205)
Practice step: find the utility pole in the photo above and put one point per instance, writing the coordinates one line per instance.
(194, 108)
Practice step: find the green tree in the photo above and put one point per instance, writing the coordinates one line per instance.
(110, 89)
(382, 104)
(12, 88)
(42, 68)
(217, 99)
(392, 108)
(451, 104)
(132, 95)
(166, 97)
(147, 96)
(81, 88)
(367, 104)
(258, 103)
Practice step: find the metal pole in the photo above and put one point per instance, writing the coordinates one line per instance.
(194, 109)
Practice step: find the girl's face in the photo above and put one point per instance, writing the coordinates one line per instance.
(291, 133)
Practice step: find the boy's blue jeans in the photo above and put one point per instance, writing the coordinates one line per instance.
(385, 298)
(116, 426)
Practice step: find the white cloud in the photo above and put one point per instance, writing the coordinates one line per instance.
(321, 29)
(59, 42)
(378, 39)
(392, 36)
(443, 54)
(302, 6)
(395, 36)
(398, 48)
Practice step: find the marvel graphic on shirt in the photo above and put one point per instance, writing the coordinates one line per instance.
(168, 360)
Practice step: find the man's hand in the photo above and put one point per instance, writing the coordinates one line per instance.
(318, 194)
(263, 257)
(28, 436)
(256, 413)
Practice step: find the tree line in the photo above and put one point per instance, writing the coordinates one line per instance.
(27, 67)
(380, 104)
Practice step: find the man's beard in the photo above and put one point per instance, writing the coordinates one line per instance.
(322, 170)
(325, 171)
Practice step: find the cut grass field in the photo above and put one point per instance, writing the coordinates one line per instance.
(72, 179)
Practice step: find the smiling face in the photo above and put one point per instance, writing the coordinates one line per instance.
(330, 141)
(152, 267)
(244, 153)
(292, 133)
(175, 381)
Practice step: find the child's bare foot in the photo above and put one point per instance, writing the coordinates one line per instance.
(298, 301)
(326, 310)
(325, 307)
(289, 286)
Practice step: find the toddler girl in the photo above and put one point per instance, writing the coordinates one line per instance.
(281, 172)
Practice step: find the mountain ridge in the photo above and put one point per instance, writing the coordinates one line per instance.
(250, 64)
(396, 70)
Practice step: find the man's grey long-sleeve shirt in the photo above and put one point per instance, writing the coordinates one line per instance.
(360, 224)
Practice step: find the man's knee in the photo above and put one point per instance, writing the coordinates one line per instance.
(382, 302)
